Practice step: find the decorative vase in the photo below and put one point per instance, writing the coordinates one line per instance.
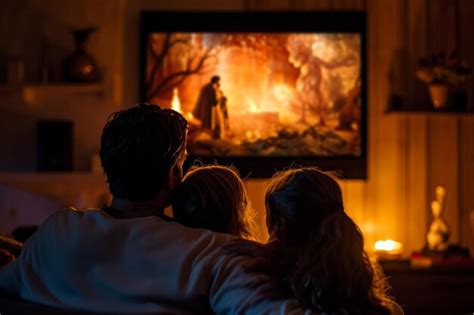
(439, 94)
(80, 66)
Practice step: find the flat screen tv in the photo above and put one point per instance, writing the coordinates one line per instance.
(263, 91)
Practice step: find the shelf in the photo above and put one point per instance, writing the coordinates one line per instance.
(40, 93)
(427, 112)
(455, 107)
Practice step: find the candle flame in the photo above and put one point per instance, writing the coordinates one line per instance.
(388, 246)
(175, 102)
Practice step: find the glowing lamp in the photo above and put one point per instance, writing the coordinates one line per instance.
(388, 248)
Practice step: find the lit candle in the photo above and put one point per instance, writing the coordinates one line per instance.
(388, 248)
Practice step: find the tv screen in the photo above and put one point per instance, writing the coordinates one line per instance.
(258, 97)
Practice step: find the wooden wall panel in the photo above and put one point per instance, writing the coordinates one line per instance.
(466, 132)
(332, 4)
(385, 192)
(442, 25)
(443, 147)
(316, 4)
(466, 182)
(465, 26)
(355, 200)
(346, 4)
(353, 4)
(415, 45)
(267, 4)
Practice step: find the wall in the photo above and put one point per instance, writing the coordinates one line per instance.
(39, 33)
(408, 154)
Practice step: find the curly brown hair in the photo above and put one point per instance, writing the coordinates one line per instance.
(331, 272)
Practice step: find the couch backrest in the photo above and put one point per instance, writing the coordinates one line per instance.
(10, 306)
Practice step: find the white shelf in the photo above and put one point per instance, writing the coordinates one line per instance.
(40, 93)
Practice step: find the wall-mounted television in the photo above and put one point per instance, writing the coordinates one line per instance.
(262, 90)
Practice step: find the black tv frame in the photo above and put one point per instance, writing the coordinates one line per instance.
(351, 167)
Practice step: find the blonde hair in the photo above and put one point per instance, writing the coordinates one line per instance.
(214, 197)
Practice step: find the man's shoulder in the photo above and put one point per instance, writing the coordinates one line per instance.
(196, 236)
(154, 226)
(70, 214)
(66, 221)
(84, 227)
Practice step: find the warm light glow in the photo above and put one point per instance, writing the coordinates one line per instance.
(288, 99)
(389, 247)
(249, 135)
(282, 92)
(175, 103)
(88, 69)
(253, 106)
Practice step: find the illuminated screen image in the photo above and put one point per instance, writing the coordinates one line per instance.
(260, 94)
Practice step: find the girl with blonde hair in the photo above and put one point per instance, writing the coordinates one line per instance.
(214, 197)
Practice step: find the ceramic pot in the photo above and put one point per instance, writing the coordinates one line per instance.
(80, 66)
(439, 94)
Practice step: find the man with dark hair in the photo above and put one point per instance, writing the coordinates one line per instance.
(129, 257)
(143, 148)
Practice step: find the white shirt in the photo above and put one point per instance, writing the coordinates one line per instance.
(91, 261)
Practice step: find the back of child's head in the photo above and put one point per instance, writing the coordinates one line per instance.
(213, 197)
(328, 269)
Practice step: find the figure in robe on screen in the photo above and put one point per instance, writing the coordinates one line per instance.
(438, 234)
(211, 108)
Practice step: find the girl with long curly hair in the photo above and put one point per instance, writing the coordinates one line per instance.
(315, 251)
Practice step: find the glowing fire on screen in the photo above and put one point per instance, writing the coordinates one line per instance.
(175, 102)
(273, 85)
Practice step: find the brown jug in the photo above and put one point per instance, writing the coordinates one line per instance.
(80, 66)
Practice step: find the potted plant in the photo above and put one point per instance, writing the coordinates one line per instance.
(443, 74)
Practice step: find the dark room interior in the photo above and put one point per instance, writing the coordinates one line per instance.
(379, 91)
